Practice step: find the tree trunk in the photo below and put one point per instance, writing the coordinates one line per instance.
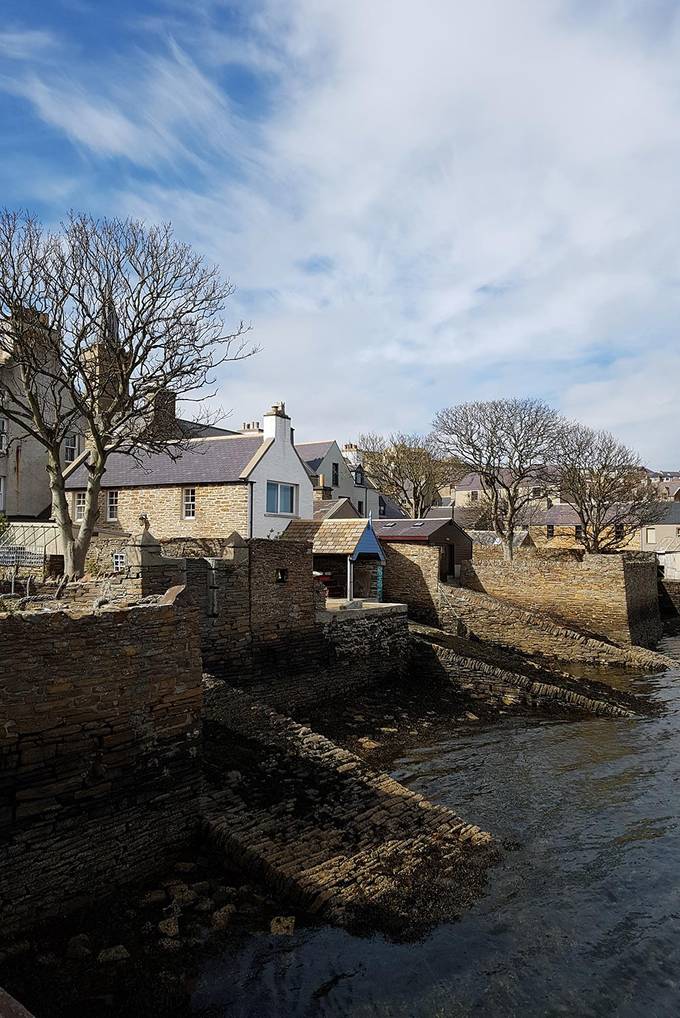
(508, 550)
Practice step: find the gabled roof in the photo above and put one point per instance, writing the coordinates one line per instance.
(393, 511)
(334, 537)
(219, 460)
(411, 530)
(329, 507)
(194, 429)
(312, 453)
(544, 475)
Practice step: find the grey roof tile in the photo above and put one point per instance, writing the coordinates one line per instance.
(207, 461)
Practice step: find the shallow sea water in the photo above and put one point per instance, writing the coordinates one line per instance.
(581, 917)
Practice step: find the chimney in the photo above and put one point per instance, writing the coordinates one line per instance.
(352, 454)
(251, 428)
(165, 412)
(321, 492)
(277, 423)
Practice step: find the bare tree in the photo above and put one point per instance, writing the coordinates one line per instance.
(511, 444)
(98, 322)
(604, 483)
(408, 468)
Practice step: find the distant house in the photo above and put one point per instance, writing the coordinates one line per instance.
(340, 474)
(254, 483)
(663, 537)
(544, 489)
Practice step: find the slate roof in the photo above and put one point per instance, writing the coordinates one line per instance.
(409, 530)
(469, 518)
(312, 453)
(194, 429)
(329, 537)
(473, 482)
(209, 461)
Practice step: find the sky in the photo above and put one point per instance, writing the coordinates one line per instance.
(419, 204)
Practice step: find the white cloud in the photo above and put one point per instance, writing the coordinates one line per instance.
(487, 192)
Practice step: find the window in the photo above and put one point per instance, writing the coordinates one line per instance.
(474, 496)
(281, 498)
(335, 474)
(359, 477)
(70, 448)
(189, 503)
(360, 507)
(578, 531)
(650, 535)
(550, 530)
(677, 531)
(619, 531)
(79, 505)
(2, 494)
(282, 576)
(112, 505)
(119, 562)
(3, 434)
(536, 492)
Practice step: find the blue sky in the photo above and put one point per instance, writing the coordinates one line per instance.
(418, 204)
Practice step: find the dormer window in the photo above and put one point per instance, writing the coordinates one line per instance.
(3, 434)
(359, 477)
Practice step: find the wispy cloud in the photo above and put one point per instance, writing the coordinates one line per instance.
(419, 207)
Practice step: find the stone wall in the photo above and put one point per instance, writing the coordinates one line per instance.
(534, 633)
(612, 596)
(412, 578)
(669, 595)
(220, 508)
(326, 831)
(100, 774)
(348, 651)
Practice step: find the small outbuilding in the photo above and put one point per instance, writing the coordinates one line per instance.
(419, 556)
(346, 554)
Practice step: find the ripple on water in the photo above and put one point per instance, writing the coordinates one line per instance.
(581, 918)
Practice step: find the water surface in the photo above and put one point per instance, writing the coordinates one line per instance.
(582, 917)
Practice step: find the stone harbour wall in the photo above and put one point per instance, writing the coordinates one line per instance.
(610, 596)
(348, 651)
(99, 738)
(532, 632)
(325, 831)
(534, 689)
(669, 595)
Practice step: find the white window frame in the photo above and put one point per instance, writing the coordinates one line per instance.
(3, 434)
(474, 496)
(118, 561)
(79, 505)
(70, 446)
(278, 485)
(652, 531)
(2, 494)
(112, 505)
(188, 503)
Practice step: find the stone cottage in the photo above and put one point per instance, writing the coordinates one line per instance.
(251, 483)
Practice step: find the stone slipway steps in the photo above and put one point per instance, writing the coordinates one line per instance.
(506, 625)
(480, 672)
(325, 831)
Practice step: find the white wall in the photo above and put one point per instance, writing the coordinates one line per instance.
(346, 488)
(280, 463)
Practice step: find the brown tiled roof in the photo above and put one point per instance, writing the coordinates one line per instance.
(329, 537)
(326, 507)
